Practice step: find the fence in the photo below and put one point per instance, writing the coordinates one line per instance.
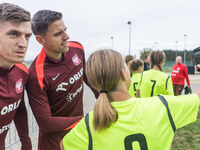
(169, 64)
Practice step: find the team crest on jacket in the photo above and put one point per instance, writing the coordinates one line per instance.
(76, 60)
(18, 86)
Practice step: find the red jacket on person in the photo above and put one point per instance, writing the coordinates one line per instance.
(179, 73)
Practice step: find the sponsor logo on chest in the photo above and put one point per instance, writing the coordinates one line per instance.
(71, 96)
(10, 107)
(72, 80)
(19, 86)
(175, 71)
(76, 60)
(54, 78)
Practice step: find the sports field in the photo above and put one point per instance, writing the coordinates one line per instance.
(188, 137)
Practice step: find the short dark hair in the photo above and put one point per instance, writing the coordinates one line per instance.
(145, 57)
(13, 13)
(42, 19)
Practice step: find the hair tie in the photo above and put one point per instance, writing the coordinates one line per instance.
(103, 91)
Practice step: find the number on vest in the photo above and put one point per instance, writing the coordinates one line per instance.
(134, 86)
(154, 82)
(140, 138)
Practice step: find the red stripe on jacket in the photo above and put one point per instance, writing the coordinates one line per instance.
(75, 44)
(40, 68)
(22, 67)
(73, 125)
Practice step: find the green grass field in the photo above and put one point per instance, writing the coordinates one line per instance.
(188, 137)
(167, 69)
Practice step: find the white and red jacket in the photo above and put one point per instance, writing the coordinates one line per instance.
(179, 73)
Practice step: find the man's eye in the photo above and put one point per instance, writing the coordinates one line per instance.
(28, 36)
(13, 34)
(57, 34)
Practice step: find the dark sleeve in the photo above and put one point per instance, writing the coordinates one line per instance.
(146, 67)
(21, 124)
(38, 100)
(96, 93)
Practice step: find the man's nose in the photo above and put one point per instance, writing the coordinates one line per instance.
(22, 41)
(66, 36)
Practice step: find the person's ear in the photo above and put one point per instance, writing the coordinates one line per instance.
(124, 75)
(40, 39)
(163, 61)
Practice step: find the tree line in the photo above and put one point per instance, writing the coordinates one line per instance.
(170, 54)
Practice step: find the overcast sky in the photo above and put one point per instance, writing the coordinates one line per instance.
(94, 22)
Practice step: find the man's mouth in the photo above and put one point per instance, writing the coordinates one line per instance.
(20, 53)
(65, 44)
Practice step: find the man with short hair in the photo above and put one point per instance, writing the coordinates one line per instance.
(55, 85)
(179, 74)
(15, 31)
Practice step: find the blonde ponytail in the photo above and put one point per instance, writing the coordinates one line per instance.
(104, 113)
(103, 71)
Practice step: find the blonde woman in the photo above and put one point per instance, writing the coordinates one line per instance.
(120, 122)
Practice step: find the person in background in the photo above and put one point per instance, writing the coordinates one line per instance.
(15, 32)
(120, 122)
(154, 82)
(136, 67)
(55, 85)
(128, 60)
(179, 74)
(147, 62)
